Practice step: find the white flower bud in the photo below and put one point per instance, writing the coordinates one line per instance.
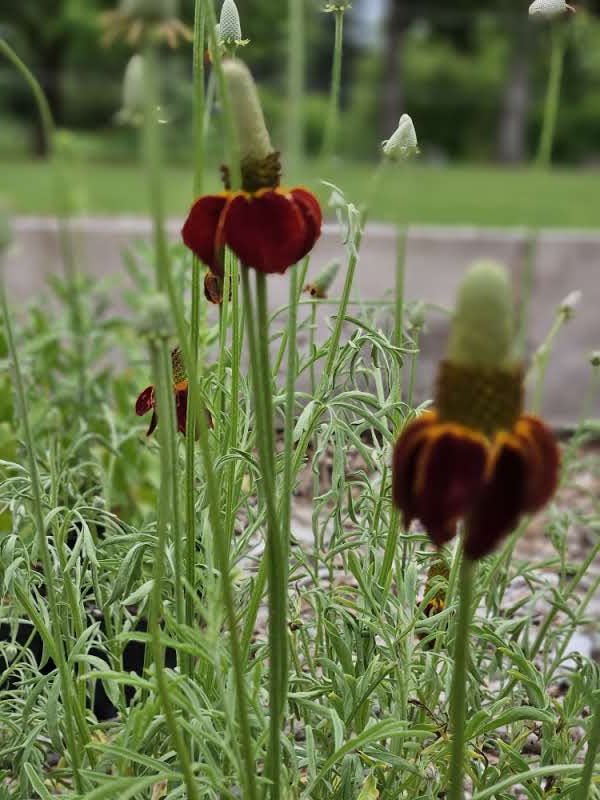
(548, 8)
(230, 27)
(134, 92)
(595, 358)
(403, 144)
(570, 303)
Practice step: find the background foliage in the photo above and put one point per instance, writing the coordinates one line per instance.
(472, 75)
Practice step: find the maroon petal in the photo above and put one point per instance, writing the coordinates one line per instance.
(145, 401)
(181, 399)
(266, 230)
(153, 424)
(404, 464)
(450, 473)
(200, 229)
(543, 456)
(313, 219)
(502, 499)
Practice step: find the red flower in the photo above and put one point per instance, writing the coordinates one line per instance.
(147, 401)
(445, 471)
(270, 229)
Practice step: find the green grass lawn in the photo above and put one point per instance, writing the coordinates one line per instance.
(464, 195)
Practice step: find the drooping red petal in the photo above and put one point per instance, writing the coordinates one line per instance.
(145, 401)
(313, 218)
(404, 464)
(153, 424)
(199, 231)
(181, 400)
(450, 473)
(501, 501)
(543, 458)
(266, 230)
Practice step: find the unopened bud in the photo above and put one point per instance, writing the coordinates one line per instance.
(230, 27)
(134, 92)
(595, 358)
(155, 319)
(483, 328)
(403, 144)
(322, 283)
(549, 8)
(253, 136)
(569, 304)
(416, 316)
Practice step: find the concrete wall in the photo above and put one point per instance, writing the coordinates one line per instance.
(436, 259)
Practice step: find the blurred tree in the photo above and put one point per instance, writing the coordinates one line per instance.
(455, 21)
(43, 32)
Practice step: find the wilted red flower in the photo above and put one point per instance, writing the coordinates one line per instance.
(477, 457)
(270, 229)
(444, 472)
(147, 400)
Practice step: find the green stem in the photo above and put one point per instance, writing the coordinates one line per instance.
(527, 281)
(199, 94)
(258, 342)
(161, 369)
(331, 128)
(295, 130)
(593, 745)
(73, 712)
(61, 189)
(290, 398)
(400, 281)
(190, 443)
(458, 696)
(557, 57)
(542, 360)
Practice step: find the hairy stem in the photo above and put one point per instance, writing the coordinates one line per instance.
(458, 695)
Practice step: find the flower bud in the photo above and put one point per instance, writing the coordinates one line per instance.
(230, 27)
(569, 304)
(253, 136)
(595, 358)
(483, 326)
(132, 111)
(548, 8)
(403, 144)
(416, 316)
(322, 283)
(155, 318)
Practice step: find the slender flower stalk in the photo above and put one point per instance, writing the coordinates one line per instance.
(296, 61)
(257, 334)
(458, 692)
(333, 113)
(593, 745)
(564, 314)
(553, 90)
(290, 400)
(74, 716)
(63, 203)
(161, 368)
